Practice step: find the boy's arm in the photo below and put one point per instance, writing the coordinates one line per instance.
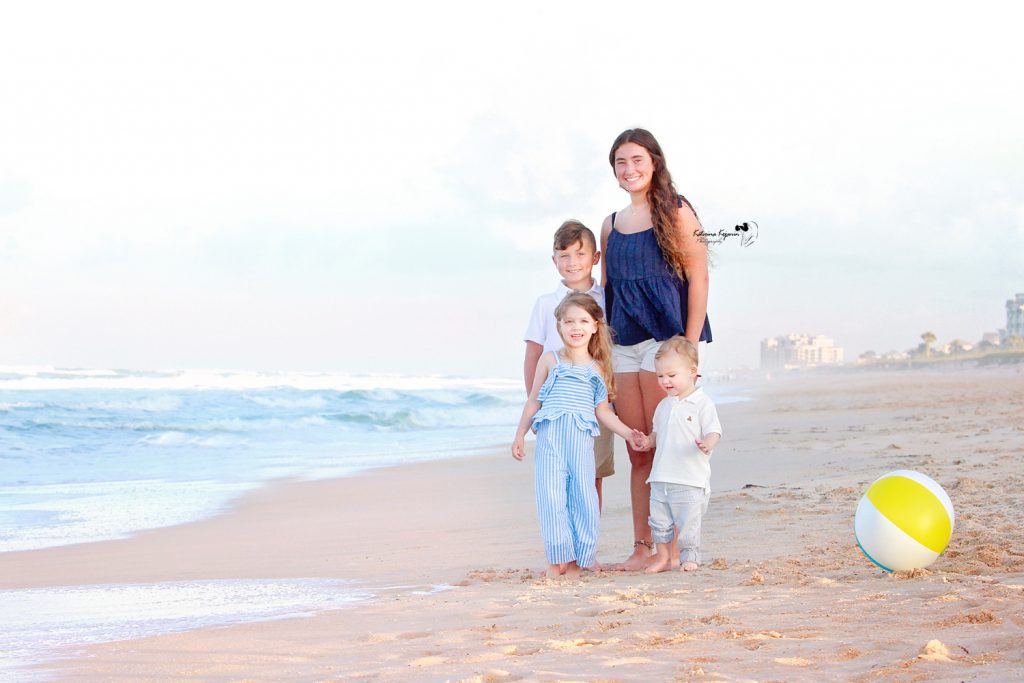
(533, 354)
(606, 229)
(534, 337)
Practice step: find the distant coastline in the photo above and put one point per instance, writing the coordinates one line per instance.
(990, 359)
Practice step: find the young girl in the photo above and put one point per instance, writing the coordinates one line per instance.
(571, 386)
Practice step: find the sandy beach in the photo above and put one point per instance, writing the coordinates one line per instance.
(785, 594)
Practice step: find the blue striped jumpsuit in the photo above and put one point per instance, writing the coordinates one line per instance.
(564, 476)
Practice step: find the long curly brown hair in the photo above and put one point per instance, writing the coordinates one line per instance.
(662, 197)
(600, 346)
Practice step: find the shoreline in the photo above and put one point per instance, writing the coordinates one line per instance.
(279, 492)
(784, 592)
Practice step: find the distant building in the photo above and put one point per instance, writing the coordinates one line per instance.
(992, 337)
(1015, 317)
(799, 351)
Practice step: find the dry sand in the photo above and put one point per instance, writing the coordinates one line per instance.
(784, 595)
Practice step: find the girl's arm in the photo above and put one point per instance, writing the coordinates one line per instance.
(696, 256)
(532, 406)
(609, 419)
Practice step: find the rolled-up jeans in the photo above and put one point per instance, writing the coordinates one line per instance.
(678, 508)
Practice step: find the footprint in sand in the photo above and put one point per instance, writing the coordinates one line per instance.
(613, 610)
(573, 644)
(492, 676)
(588, 611)
(982, 617)
(520, 651)
(412, 635)
(626, 661)
(793, 661)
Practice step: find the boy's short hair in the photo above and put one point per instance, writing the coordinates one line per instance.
(571, 232)
(679, 345)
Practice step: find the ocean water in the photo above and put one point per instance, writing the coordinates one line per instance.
(87, 455)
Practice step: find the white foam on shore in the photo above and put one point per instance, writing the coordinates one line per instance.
(34, 377)
(101, 511)
(44, 624)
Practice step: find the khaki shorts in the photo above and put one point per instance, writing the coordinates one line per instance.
(636, 357)
(641, 357)
(604, 453)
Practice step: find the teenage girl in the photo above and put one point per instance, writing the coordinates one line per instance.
(571, 390)
(655, 276)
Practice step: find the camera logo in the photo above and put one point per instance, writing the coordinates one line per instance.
(747, 232)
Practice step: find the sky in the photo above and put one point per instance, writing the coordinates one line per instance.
(373, 188)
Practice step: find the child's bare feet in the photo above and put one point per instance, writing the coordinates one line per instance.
(573, 571)
(688, 567)
(640, 558)
(555, 570)
(658, 564)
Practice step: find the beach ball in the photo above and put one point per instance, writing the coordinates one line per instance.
(903, 521)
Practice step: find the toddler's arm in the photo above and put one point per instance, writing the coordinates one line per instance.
(646, 442)
(708, 443)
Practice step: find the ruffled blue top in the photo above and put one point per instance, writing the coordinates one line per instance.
(644, 297)
(572, 390)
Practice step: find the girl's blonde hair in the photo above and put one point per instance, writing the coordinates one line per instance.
(600, 346)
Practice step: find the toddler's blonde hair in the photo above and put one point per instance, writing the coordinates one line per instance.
(679, 345)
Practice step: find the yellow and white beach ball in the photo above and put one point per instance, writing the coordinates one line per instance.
(903, 521)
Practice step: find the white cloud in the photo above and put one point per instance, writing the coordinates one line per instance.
(212, 172)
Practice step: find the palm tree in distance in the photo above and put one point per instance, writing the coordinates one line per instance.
(928, 338)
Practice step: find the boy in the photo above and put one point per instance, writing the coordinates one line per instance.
(686, 430)
(575, 255)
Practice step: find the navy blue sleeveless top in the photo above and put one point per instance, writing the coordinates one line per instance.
(644, 297)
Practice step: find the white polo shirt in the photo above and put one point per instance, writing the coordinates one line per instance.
(679, 422)
(543, 328)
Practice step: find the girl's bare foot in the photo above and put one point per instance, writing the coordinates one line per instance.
(688, 567)
(555, 570)
(573, 571)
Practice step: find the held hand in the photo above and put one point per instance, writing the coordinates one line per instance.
(639, 441)
(703, 446)
(518, 448)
